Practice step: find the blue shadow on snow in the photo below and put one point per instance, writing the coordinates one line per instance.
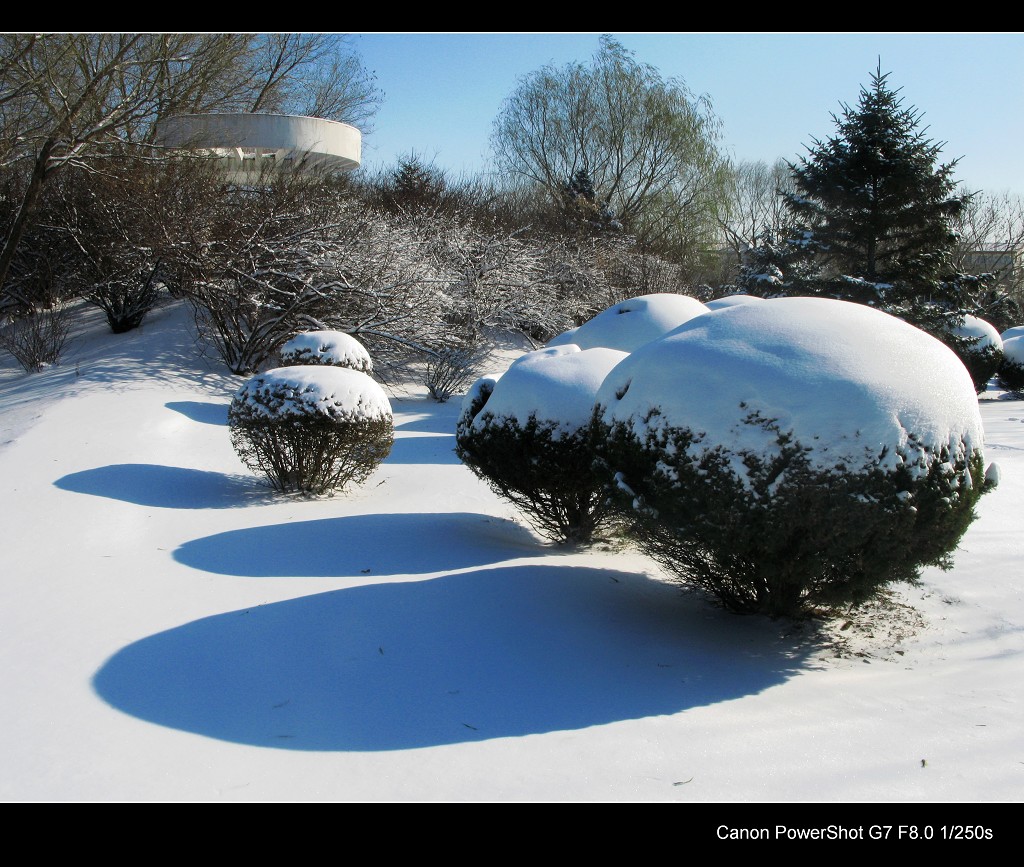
(166, 487)
(378, 544)
(197, 410)
(488, 654)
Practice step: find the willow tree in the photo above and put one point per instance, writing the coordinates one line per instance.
(647, 144)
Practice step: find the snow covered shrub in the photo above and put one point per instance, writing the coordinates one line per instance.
(527, 435)
(334, 348)
(630, 324)
(1011, 371)
(767, 455)
(978, 345)
(311, 429)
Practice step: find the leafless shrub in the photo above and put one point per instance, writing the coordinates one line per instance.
(36, 338)
(451, 368)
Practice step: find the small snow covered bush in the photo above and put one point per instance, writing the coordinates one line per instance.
(1011, 371)
(332, 348)
(767, 455)
(978, 345)
(526, 434)
(630, 324)
(311, 429)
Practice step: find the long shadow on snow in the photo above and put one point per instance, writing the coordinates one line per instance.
(167, 487)
(378, 544)
(488, 654)
(200, 411)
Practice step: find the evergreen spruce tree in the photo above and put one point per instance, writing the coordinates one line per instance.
(874, 208)
(413, 184)
(582, 211)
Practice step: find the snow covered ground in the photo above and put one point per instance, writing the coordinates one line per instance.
(171, 630)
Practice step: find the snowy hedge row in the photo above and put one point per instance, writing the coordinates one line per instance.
(782, 455)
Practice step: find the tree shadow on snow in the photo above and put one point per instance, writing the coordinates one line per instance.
(494, 653)
(378, 544)
(197, 410)
(167, 487)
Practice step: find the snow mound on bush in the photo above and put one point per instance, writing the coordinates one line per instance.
(556, 385)
(339, 393)
(984, 332)
(733, 301)
(329, 348)
(858, 387)
(630, 324)
(1013, 350)
(1011, 333)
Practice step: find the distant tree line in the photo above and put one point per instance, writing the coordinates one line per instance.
(610, 183)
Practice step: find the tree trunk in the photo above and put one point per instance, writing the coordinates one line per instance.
(29, 203)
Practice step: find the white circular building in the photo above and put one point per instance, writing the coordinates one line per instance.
(252, 145)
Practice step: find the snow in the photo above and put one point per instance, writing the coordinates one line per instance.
(173, 631)
(556, 385)
(303, 390)
(327, 347)
(857, 386)
(984, 332)
(630, 324)
(1010, 333)
(1013, 349)
(732, 301)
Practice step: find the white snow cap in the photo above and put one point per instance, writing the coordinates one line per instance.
(630, 324)
(849, 381)
(327, 347)
(1013, 349)
(1010, 333)
(475, 398)
(985, 332)
(556, 385)
(732, 301)
(337, 392)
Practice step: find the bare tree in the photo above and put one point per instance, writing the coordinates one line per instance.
(66, 99)
(296, 256)
(126, 224)
(757, 208)
(990, 238)
(316, 74)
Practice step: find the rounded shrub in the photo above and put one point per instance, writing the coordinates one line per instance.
(311, 429)
(526, 433)
(630, 324)
(978, 345)
(331, 348)
(769, 455)
(1011, 371)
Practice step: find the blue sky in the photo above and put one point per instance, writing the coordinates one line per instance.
(773, 92)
